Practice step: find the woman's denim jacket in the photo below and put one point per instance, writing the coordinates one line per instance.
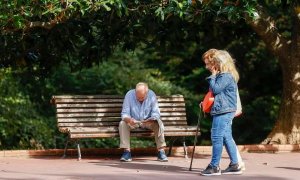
(224, 89)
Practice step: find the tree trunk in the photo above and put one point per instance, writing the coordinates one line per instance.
(287, 126)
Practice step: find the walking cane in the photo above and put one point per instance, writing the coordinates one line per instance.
(196, 135)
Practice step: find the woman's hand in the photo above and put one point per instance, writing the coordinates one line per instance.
(214, 70)
(211, 67)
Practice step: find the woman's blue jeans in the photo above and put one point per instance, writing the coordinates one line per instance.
(221, 134)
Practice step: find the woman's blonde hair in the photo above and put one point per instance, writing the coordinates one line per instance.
(209, 56)
(226, 63)
(222, 60)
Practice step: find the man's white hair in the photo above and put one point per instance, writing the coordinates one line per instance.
(141, 85)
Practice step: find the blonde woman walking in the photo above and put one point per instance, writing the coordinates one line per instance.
(223, 83)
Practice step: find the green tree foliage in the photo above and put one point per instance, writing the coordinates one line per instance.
(114, 76)
(47, 32)
(122, 71)
(105, 47)
(21, 124)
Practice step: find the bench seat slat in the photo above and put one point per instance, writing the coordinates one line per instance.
(144, 134)
(111, 119)
(115, 129)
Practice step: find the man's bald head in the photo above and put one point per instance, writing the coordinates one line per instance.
(141, 90)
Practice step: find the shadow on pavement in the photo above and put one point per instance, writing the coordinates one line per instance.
(290, 168)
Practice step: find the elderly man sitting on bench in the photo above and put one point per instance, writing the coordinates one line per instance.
(140, 110)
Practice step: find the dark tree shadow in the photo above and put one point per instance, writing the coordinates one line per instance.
(290, 168)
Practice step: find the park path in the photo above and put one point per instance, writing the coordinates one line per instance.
(273, 166)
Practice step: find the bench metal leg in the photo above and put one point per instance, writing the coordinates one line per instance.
(78, 150)
(184, 148)
(66, 147)
(171, 145)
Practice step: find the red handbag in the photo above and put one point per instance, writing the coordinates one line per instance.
(208, 101)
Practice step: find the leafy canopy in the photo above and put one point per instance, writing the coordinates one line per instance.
(42, 33)
(25, 14)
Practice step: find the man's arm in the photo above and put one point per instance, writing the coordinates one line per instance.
(125, 114)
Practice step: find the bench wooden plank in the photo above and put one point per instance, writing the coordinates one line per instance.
(146, 134)
(112, 105)
(86, 96)
(112, 119)
(107, 121)
(106, 97)
(89, 115)
(112, 109)
(117, 101)
(115, 129)
(98, 124)
(113, 114)
(60, 100)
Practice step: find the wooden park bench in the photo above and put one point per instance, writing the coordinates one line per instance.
(98, 116)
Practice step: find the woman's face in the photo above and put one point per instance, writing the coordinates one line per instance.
(208, 65)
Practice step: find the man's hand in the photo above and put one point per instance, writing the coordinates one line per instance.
(132, 122)
(147, 122)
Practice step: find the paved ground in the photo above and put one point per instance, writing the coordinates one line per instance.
(278, 166)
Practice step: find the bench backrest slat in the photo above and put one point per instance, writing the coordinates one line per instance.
(59, 100)
(93, 105)
(111, 109)
(94, 114)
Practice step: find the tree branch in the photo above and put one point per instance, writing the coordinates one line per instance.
(264, 26)
(32, 25)
(46, 25)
